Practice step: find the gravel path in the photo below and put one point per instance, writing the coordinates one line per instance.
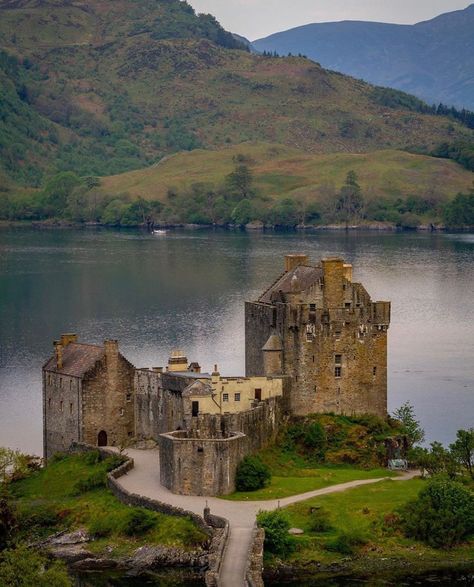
(144, 479)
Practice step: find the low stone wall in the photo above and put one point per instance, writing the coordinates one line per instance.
(218, 547)
(254, 571)
(215, 527)
(200, 466)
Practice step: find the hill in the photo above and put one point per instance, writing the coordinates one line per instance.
(433, 60)
(282, 172)
(100, 88)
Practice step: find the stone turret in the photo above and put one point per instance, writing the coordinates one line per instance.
(272, 355)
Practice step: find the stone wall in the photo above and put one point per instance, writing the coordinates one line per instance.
(254, 572)
(203, 459)
(62, 409)
(200, 466)
(108, 399)
(158, 409)
(259, 321)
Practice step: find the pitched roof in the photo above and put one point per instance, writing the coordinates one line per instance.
(298, 279)
(273, 343)
(198, 388)
(78, 359)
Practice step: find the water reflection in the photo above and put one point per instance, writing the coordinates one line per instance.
(188, 288)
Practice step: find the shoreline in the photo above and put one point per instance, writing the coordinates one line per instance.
(250, 228)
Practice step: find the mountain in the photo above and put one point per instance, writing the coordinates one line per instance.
(101, 88)
(433, 60)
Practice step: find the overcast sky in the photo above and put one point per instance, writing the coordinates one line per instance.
(258, 18)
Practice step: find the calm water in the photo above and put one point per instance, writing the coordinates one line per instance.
(187, 290)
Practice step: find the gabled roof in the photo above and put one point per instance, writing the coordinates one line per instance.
(78, 359)
(198, 388)
(273, 343)
(298, 279)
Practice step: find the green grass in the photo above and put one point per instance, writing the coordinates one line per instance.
(282, 171)
(367, 512)
(48, 501)
(304, 480)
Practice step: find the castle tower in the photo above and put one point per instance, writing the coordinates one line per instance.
(332, 338)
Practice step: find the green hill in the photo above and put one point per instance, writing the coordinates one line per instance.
(100, 88)
(282, 172)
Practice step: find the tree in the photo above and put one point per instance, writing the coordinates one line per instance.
(57, 190)
(7, 519)
(239, 182)
(350, 202)
(442, 515)
(413, 429)
(463, 449)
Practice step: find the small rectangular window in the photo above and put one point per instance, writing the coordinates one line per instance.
(237, 397)
(374, 371)
(225, 397)
(61, 405)
(338, 359)
(337, 371)
(312, 307)
(195, 409)
(49, 402)
(70, 408)
(348, 305)
(129, 397)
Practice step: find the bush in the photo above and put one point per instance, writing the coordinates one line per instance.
(442, 515)
(101, 527)
(23, 567)
(252, 474)
(95, 480)
(276, 526)
(346, 542)
(92, 457)
(319, 520)
(139, 521)
(316, 439)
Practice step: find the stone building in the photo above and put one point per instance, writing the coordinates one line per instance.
(315, 325)
(87, 395)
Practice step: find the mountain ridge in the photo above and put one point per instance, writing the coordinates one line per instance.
(432, 59)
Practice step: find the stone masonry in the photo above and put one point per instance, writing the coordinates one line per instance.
(328, 336)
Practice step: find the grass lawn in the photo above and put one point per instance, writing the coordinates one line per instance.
(367, 512)
(304, 480)
(51, 500)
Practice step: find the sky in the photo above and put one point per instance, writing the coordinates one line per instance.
(259, 18)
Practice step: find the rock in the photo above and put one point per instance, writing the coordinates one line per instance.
(94, 564)
(67, 538)
(255, 225)
(152, 557)
(295, 531)
(70, 554)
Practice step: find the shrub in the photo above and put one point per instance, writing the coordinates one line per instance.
(94, 481)
(252, 474)
(92, 457)
(138, 522)
(23, 567)
(276, 526)
(316, 439)
(7, 520)
(346, 542)
(43, 515)
(114, 462)
(442, 515)
(319, 520)
(101, 527)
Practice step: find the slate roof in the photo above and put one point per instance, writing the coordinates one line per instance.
(298, 279)
(198, 388)
(78, 359)
(273, 343)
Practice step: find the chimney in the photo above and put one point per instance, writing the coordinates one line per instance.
(292, 261)
(334, 274)
(58, 352)
(177, 361)
(111, 349)
(348, 271)
(68, 338)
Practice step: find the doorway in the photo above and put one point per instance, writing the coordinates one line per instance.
(102, 438)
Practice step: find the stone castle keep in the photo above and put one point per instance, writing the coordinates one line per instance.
(314, 342)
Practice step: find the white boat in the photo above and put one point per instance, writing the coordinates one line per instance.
(161, 231)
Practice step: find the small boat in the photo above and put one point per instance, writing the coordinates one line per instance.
(161, 231)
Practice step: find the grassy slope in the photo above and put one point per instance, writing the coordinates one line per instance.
(363, 510)
(53, 489)
(283, 171)
(120, 71)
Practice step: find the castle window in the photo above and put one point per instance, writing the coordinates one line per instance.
(338, 359)
(70, 385)
(237, 397)
(312, 307)
(129, 397)
(200, 449)
(49, 402)
(337, 371)
(70, 408)
(60, 382)
(374, 371)
(61, 405)
(225, 397)
(348, 305)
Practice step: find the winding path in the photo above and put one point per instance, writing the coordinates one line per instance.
(144, 479)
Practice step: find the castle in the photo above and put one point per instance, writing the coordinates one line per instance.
(314, 342)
